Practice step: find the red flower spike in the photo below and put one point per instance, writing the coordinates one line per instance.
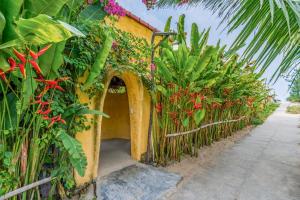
(57, 87)
(2, 75)
(197, 106)
(46, 112)
(20, 56)
(22, 69)
(33, 55)
(12, 64)
(189, 113)
(43, 50)
(46, 117)
(36, 67)
(158, 107)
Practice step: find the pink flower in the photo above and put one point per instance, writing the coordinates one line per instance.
(153, 67)
(114, 8)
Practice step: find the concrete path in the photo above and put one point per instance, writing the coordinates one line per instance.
(264, 165)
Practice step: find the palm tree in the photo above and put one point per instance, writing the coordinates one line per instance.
(273, 28)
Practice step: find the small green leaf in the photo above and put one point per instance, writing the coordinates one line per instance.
(185, 122)
(199, 116)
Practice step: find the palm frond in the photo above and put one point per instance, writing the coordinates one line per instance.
(273, 28)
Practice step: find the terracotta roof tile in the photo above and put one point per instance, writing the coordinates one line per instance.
(139, 20)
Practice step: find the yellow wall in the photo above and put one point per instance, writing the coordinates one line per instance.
(138, 108)
(118, 123)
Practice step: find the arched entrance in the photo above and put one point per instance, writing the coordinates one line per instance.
(115, 147)
(139, 112)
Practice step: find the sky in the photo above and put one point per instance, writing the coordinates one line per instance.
(204, 18)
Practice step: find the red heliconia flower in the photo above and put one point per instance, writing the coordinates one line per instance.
(2, 75)
(42, 103)
(12, 64)
(202, 97)
(57, 87)
(197, 106)
(46, 117)
(56, 119)
(193, 95)
(36, 67)
(189, 113)
(22, 69)
(20, 56)
(35, 56)
(158, 108)
(44, 112)
(47, 82)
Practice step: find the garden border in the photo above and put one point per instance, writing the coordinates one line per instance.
(203, 126)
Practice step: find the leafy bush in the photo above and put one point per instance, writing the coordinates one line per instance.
(293, 109)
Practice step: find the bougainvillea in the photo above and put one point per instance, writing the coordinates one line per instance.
(113, 8)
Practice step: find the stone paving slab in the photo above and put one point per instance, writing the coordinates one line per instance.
(137, 182)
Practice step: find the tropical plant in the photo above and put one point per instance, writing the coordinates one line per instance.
(294, 80)
(39, 119)
(197, 85)
(271, 26)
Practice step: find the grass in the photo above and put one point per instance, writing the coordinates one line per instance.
(294, 109)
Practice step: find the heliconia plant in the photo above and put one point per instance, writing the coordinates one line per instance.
(199, 84)
(35, 131)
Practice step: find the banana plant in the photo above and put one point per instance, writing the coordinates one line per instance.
(197, 84)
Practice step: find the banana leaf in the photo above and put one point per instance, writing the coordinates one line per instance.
(38, 31)
(100, 62)
(11, 10)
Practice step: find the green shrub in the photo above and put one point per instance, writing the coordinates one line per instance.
(294, 109)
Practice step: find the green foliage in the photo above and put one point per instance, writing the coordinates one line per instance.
(50, 148)
(294, 86)
(202, 84)
(77, 156)
(100, 61)
(275, 25)
(293, 109)
(259, 117)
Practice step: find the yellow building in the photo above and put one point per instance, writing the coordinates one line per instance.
(129, 112)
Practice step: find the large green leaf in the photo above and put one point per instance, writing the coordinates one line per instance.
(76, 153)
(38, 31)
(199, 116)
(2, 24)
(195, 38)
(29, 86)
(48, 7)
(92, 12)
(100, 62)
(52, 60)
(11, 10)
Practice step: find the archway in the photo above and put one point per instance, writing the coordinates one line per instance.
(139, 109)
(115, 147)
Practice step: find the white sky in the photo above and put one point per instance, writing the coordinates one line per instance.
(205, 19)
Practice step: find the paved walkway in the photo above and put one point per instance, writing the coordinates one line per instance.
(263, 166)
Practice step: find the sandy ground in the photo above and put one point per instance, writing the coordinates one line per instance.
(207, 156)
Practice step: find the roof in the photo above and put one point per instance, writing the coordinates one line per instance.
(139, 20)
